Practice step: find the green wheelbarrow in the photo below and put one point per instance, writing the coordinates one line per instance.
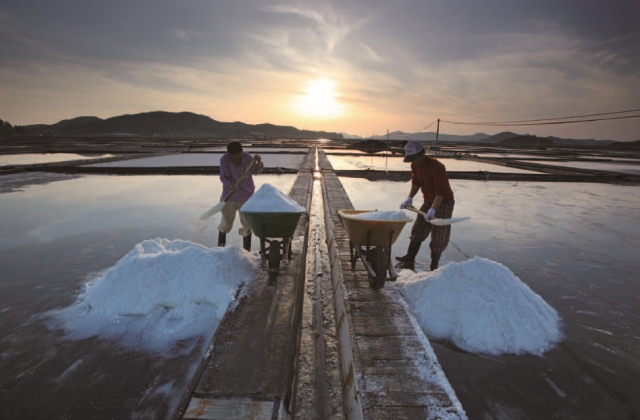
(280, 227)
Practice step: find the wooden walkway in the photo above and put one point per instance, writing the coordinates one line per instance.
(250, 367)
(397, 372)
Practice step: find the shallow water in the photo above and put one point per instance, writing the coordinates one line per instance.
(576, 246)
(382, 163)
(202, 159)
(56, 237)
(32, 158)
(631, 169)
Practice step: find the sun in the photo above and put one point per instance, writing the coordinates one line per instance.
(319, 100)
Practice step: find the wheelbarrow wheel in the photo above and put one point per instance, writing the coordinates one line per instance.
(274, 254)
(378, 261)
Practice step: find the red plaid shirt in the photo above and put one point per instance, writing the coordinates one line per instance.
(432, 179)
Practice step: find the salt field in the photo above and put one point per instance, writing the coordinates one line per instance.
(572, 244)
(310, 210)
(55, 238)
(396, 164)
(509, 155)
(613, 158)
(598, 166)
(201, 159)
(252, 150)
(32, 158)
(534, 304)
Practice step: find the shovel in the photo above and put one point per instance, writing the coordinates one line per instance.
(438, 222)
(218, 207)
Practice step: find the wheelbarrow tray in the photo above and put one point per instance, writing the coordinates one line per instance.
(358, 228)
(273, 225)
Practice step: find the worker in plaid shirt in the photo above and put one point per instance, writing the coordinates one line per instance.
(430, 176)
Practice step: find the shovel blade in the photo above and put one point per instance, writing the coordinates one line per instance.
(213, 210)
(444, 222)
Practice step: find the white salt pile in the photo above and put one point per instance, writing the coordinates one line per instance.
(268, 199)
(382, 215)
(482, 307)
(163, 296)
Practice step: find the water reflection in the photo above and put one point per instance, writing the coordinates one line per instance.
(32, 158)
(56, 237)
(382, 163)
(293, 161)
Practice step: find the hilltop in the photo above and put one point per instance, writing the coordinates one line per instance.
(161, 123)
(506, 138)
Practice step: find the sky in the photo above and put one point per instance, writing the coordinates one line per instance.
(358, 67)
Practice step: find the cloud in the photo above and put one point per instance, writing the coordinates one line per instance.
(396, 64)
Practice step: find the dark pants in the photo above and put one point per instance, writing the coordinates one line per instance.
(439, 234)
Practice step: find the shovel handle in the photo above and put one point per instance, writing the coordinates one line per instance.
(415, 210)
(235, 187)
(438, 222)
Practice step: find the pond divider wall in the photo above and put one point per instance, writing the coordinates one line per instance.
(350, 388)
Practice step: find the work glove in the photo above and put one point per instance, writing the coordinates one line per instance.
(430, 215)
(407, 202)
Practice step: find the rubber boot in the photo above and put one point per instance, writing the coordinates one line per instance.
(410, 256)
(435, 259)
(222, 238)
(246, 242)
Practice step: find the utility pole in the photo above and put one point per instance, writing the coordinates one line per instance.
(437, 134)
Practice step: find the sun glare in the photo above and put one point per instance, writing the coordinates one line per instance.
(319, 100)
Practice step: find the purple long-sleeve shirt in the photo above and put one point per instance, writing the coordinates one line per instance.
(230, 173)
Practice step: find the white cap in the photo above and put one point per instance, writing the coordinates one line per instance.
(411, 150)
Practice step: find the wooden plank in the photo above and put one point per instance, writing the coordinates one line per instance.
(382, 329)
(410, 399)
(413, 413)
(373, 309)
(400, 413)
(229, 409)
(391, 367)
(369, 295)
(399, 341)
(402, 320)
(399, 383)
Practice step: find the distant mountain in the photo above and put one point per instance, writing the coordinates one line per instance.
(513, 139)
(501, 138)
(170, 124)
(497, 138)
(60, 125)
(349, 136)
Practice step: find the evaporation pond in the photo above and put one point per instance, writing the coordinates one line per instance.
(33, 158)
(293, 161)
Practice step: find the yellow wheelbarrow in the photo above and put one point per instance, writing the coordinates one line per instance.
(371, 241)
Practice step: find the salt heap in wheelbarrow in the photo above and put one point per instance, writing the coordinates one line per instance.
(268, 199)
(271, 214)
(382, 215)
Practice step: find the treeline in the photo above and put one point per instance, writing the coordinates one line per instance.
(7, 128)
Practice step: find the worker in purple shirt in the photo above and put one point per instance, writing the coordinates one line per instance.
(233, 165)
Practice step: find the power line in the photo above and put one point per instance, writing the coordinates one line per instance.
(545, 121)
(429, 125)
(514, 124)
